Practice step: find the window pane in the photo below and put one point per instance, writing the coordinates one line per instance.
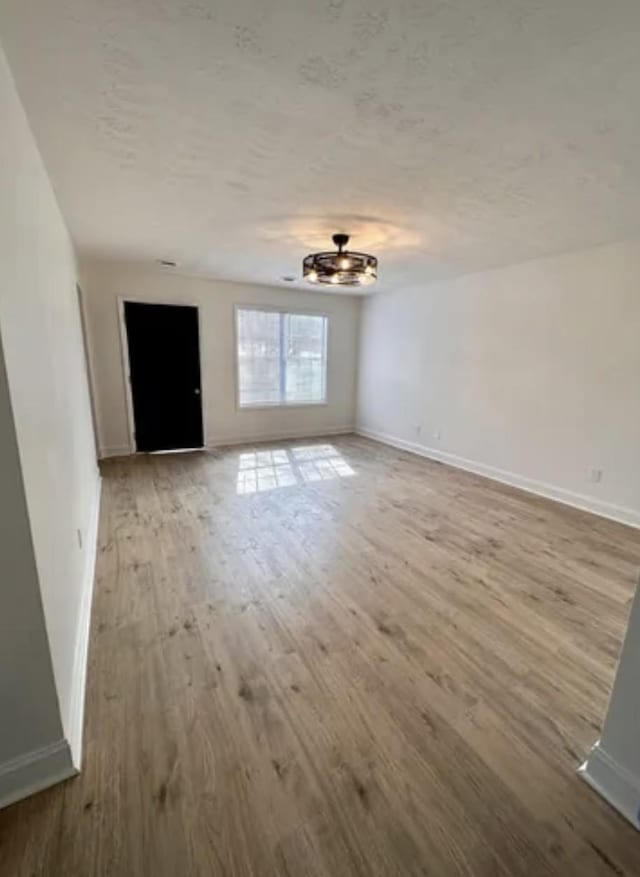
(305, 341)
(282, 358)
(259, 357)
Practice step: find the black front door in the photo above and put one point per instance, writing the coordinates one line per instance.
(164, 369)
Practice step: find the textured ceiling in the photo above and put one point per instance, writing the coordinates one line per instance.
(235, 135)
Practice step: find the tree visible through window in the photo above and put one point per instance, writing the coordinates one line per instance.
(282, 358)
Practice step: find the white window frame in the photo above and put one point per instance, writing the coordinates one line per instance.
(236, 357)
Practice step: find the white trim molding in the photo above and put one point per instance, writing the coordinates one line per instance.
(285, 435)
(616, 785)
(35, 771)
(75, 721)
(586, 503)
(115, 451)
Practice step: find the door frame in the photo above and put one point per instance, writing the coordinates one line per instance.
(126, 374)
(88, 367)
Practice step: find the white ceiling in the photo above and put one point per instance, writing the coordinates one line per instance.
(236, 135)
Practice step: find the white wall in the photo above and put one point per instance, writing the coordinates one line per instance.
(29, 713)
(613, 765)
(529, 373)
(41, 335)
(103, 283)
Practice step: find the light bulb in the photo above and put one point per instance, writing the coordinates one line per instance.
(335, 278)
(345, 264)
(368, 269)
(312, 276)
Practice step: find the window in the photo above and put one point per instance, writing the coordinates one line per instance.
(282, 358)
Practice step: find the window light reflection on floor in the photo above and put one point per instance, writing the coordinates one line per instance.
(267, 470)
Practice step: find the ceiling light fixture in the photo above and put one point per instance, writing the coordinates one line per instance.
(341, 268)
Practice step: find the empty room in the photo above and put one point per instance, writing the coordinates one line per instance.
(319, 438)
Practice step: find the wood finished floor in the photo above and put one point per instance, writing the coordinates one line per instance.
(382, 666)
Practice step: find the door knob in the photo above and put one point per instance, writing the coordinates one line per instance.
(197, 391)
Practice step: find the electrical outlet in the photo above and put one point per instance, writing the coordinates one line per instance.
(79, 535)
(594, 475)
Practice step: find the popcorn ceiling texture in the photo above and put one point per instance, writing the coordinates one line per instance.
(235, 135)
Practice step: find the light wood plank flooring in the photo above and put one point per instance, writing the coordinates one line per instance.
(331, 658)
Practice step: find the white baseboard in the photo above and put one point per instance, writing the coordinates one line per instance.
(115, 451)
(585, 503)
(74, 723)
(283, 435)
(34, 771)
(616, 785)
(223, 441)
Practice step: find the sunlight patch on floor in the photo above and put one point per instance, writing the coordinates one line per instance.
(267, 470)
